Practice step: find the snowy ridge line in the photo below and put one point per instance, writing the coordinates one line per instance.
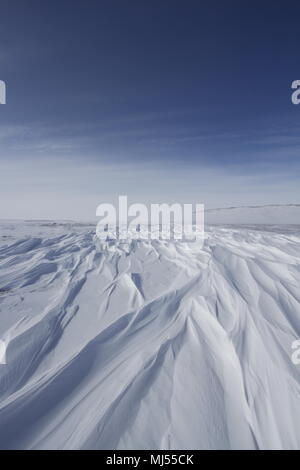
(280, 214)
(252, 207)
(152, 345)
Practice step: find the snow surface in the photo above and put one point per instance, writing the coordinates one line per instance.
(268, 214)
(157, 345)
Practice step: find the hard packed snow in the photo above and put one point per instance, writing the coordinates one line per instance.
(149, 345)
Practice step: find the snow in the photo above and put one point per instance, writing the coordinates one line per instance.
(268, 214)
(149, 345)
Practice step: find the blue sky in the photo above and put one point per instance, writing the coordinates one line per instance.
(165, 101)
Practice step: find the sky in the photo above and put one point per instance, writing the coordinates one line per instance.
(164, 101)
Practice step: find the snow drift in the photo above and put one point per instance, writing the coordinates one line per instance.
(149, 345)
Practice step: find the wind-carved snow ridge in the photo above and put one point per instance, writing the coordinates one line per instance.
(149, 345)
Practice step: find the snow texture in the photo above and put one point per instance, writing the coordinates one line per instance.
(149, 345)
